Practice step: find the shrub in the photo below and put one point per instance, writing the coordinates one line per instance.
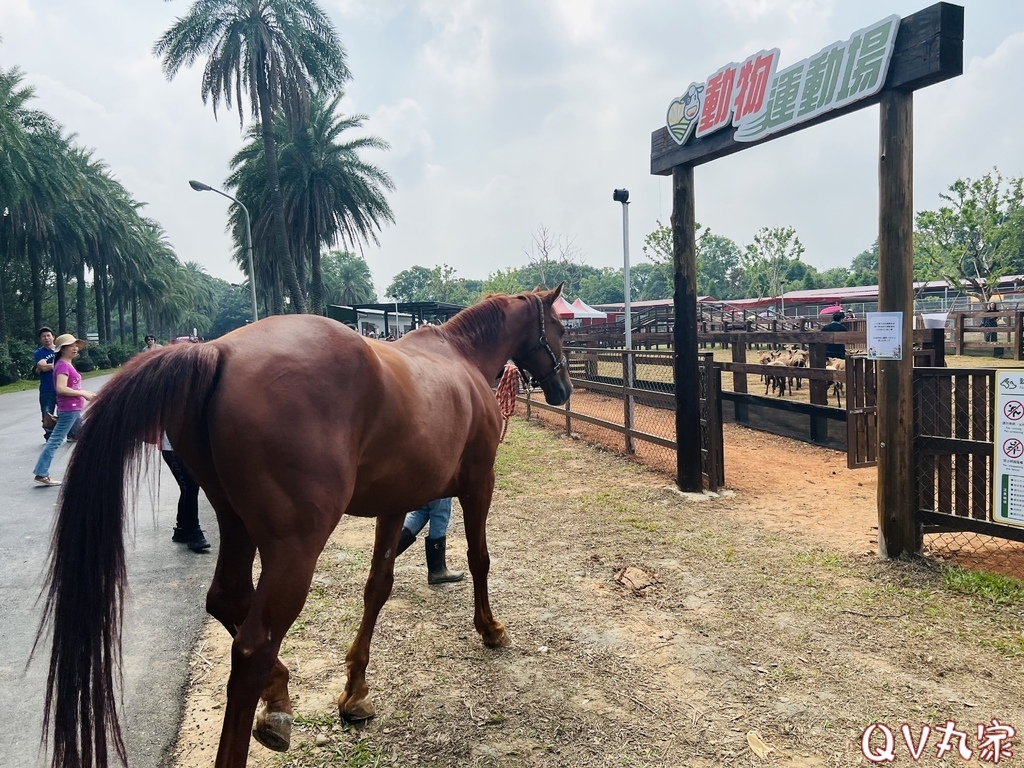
(118, 353)
(84, 362)
(8, 369)
(98, 353)
(23, 358)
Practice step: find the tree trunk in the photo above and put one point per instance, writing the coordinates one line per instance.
(280, 252)
(135, 319)
(3, 313)
(81, 303)
(62, 302)
(97, 289)
(37, 288)
(316, 292)
(120, 319)
(108, 314)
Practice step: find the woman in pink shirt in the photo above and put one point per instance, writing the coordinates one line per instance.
(71, 399)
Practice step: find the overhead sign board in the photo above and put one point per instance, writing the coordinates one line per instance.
(757, 100)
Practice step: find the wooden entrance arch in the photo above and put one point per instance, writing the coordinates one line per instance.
(928, 49)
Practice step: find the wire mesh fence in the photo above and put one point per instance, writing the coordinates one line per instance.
(953, 434)
(626, 401)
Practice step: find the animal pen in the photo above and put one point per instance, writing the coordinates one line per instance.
(751, 103)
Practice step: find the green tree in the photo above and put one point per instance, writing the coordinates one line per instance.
(277, 51)
(410, 284)
(331, 195)
(768, 259)
(503, 281)
(717, 257)
(976, 237)
(347, 279)
(864, 267)
(606, 286)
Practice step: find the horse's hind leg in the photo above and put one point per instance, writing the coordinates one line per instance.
(278, 599)
(354, 704)
(229, 601)
(476, 502)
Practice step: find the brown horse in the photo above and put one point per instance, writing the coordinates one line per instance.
(287, 424)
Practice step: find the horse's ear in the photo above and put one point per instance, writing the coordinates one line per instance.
(554, 293)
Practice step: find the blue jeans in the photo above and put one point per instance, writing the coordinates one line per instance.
(438, 512)
(66, 421)
(47, 404)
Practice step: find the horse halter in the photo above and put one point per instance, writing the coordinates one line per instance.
(542, 343)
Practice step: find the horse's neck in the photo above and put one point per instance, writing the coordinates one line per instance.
(491, 358)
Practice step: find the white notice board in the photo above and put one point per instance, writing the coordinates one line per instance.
(1008, 470)
(885, 335)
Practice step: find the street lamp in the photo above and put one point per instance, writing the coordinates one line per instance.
(198, 186)
(622, 196)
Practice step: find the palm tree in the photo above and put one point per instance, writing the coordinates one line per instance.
(348, 279)
(274, 49)
(331, 195)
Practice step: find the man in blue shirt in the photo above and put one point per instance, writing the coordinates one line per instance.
(44, 369)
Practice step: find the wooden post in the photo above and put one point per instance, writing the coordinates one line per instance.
(739, 355)
(958, 335)
(684, 267)
(816, 358)
(1018, 323)
(939, 347)
(898, 532)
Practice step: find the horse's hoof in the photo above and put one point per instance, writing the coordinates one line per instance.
(273, 730)
(356, 712)
(499, 639)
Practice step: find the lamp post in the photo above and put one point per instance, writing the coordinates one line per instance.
(198, 186)
(622, 196)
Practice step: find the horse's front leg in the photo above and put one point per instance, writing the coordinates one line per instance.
(476, 502)
(354, 704)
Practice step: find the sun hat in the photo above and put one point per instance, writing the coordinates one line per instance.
(63, 340)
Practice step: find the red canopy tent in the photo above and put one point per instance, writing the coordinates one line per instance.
(564, 309)
(586, 310)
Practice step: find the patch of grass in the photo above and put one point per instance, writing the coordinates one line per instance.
(1001, 590)
(322, 720)
(829, 560)
(642, 525)
(1012, 647)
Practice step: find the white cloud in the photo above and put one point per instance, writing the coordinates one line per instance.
(503, 116)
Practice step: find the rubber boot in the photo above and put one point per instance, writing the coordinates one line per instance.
(437, 567)
(405, 541)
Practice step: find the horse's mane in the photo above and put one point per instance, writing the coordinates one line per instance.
(479, 325)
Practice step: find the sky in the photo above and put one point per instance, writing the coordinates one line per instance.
(507, 116)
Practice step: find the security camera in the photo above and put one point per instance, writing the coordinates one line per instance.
(620, 195)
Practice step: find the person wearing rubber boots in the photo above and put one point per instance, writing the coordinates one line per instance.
(437, 513)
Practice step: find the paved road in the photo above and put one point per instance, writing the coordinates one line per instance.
(167, 586)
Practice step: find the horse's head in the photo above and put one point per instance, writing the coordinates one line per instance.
(540, 352)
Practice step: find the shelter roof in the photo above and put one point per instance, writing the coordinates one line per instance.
(440, 308)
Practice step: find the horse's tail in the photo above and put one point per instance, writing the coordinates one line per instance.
(86, 576)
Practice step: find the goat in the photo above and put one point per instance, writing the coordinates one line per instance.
(837, 364)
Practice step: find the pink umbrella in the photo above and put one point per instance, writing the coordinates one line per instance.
(830, 310)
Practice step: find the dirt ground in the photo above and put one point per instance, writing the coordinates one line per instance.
(649, 628)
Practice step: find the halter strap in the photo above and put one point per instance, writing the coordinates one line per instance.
(542, 344)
